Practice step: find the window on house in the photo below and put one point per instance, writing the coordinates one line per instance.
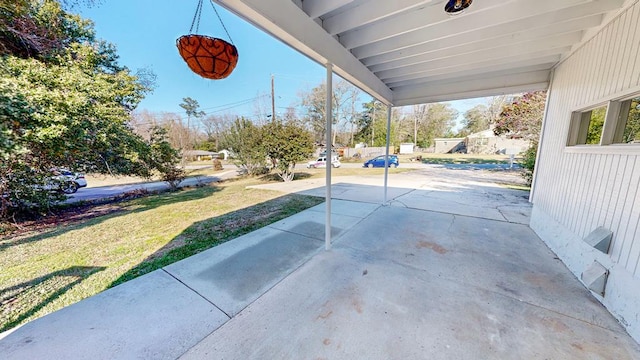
(481, 141)
(628, 122)
(587, 126)
(596, 123)
(617, 122)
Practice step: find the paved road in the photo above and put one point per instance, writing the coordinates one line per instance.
(409, 165)
(419, 165)
(515, 166)
(106, 192)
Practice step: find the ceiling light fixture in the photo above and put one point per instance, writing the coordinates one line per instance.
(454, 7)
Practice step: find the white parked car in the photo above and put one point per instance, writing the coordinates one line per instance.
(66, 181)
(322, 162)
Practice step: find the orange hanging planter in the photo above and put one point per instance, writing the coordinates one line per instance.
(209, 57)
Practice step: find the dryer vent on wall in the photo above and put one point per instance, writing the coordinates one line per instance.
(600, 239)
(595, 278)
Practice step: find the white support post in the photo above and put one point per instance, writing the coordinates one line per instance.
(386, 159)
(543, 135)
(329, 154)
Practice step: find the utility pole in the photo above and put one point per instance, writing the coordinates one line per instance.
(373, 119)
(273, 100)
(415, 131)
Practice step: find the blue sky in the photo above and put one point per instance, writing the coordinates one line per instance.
(145, 32)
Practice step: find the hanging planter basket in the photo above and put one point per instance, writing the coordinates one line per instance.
(209, 57)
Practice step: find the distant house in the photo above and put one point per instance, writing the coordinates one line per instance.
(406, 148)
(225, 154)
(200, 155)
(483, 142)
(486, 142)
(448, 145)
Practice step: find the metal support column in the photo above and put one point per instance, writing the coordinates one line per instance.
(329, 154)
(386, 159)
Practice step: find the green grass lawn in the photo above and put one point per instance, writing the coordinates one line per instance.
(56, 266)
(464, 159)
(59, 263)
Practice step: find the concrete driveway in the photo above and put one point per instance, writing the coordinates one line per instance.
(449, 271)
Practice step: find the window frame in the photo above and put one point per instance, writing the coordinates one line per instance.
(611, 130)
(579, 126)
(618, 131)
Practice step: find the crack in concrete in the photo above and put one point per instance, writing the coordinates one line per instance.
(196, 292)
(502, 214)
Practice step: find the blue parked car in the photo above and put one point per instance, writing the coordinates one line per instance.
(379, 161)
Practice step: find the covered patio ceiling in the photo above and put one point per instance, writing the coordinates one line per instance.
(408, 52)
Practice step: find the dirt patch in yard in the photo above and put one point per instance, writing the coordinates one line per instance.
(60, 217)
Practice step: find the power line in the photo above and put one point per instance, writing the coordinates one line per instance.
(236, 102)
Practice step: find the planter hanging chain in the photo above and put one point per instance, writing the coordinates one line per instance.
(196, 16)
(221, 22)
(208, 57)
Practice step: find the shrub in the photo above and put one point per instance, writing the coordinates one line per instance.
(164, 158)
(529, 162)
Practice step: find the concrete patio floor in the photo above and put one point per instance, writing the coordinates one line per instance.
(449, 270)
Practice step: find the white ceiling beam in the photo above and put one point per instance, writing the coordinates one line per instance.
(425, 17)
(448, 87)
(526, 40)
(465, 94)
(494, 33)
(287, 22)
(317, 8)
(474, 24)
(496, 54)
(543, 63)
(508, 84)
(366, 13)
(475, 65)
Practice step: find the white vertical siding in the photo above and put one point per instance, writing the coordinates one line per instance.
(582, 191)
(579, 190)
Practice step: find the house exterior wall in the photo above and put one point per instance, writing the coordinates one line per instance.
(495, 145)
(578, 188)
(446, 145)
(486, 142)
(365, 152)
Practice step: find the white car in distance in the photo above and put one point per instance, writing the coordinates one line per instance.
(321, 162)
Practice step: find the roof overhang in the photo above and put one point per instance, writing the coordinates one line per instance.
(408, 52)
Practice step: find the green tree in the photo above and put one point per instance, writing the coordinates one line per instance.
(165, 158)
(523, 118)
(39, 29)
(214, 127)
(372, 124)
(191, 108)
(244, 141)
(344, 116)
(287, 144)
(432, 121)
(66, 104)
(475, 120)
